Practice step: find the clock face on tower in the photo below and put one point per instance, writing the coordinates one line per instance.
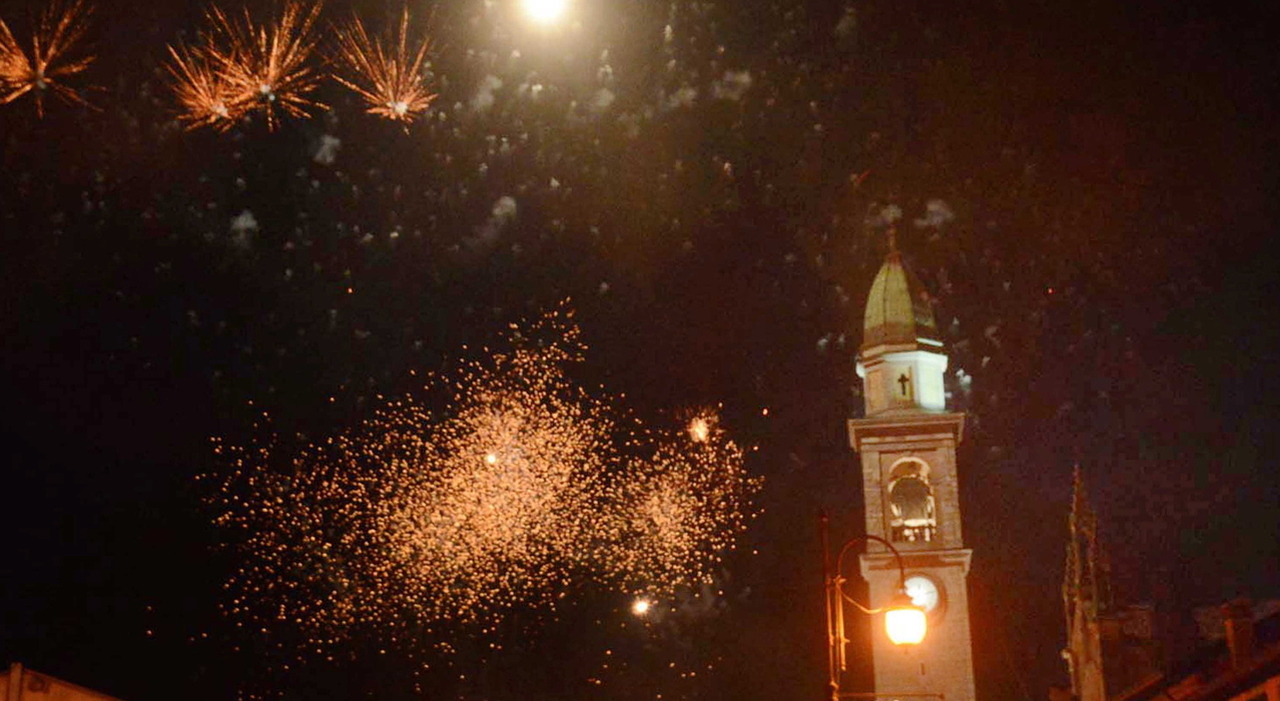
(924, 592)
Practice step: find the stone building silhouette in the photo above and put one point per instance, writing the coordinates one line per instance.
(20, 684)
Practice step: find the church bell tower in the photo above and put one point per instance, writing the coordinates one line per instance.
(907, 444)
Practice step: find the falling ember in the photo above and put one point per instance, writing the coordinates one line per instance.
(522, 488)
(388, 74)
(60, 29)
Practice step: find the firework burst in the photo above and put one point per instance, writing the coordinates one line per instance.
(244, 65)
(525, 489)
(501, 512)
(52, 58)
(206, 97)
(682, 509)
(388, 74)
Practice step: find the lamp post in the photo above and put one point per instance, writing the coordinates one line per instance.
(905, 623)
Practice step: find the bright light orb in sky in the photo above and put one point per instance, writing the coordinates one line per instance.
(641, 607)
(545, 11)
(700, 429)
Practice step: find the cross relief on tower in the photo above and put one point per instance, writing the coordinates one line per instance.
(904, 385)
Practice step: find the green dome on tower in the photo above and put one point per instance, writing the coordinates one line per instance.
(898, 316)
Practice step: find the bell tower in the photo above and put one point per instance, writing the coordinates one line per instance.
(907, 444)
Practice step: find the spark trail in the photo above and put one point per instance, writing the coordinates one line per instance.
(54, 56)
(243, 64)
(387, 74)
(203, 92)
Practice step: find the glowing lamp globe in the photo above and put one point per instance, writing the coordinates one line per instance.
(545, 11)
(904, 621)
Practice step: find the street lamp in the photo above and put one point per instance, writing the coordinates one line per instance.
(904, 622)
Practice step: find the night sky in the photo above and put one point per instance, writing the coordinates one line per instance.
(1087, 188)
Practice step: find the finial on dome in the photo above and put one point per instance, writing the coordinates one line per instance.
(893, 239)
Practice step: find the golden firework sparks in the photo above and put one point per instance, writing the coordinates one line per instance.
(523, 487)
(388, 74)
(680, 510)
(266, 65)
(202, 91)
(51, 59)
